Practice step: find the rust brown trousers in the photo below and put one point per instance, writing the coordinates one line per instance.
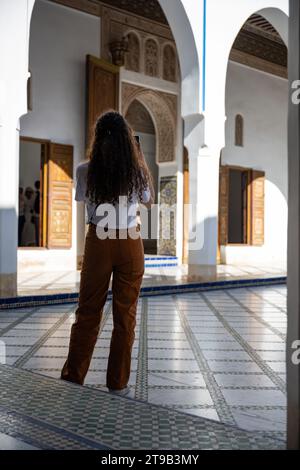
(124, 258)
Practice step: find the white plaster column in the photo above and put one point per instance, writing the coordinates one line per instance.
(14, 38)
(9, 174)
(203, 197)
(293, 335)
(185, 18)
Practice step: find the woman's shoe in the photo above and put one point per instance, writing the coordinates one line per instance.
(123, 392)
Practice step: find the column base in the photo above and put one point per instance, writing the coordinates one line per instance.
(203, 273)
(8, 285)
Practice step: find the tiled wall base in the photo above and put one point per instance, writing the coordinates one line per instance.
(160, 261)
(52, 414)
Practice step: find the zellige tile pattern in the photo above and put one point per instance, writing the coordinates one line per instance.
(218, 354)
(53, 414)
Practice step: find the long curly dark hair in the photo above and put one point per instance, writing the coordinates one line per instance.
(117, 166)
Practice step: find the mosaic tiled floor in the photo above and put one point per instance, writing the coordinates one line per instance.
(218, 355)
(50, 414)
(40, 283)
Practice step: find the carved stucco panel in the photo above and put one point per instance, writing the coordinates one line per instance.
(163, 109)
(169, 63)
(132, 57)
(117, 24)
(151, 58)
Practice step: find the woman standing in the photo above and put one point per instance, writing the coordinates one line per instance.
(116, 168)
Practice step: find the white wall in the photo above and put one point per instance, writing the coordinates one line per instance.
(262, 100)
(60, 38)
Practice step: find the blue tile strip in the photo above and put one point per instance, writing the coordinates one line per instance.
(163, 265)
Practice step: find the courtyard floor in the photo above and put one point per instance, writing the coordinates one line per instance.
(218, 355)
(52, 282)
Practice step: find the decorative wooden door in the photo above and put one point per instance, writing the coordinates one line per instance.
(60, 179)
(186, 200)
(223, 205)
(257, 207)
(102, 90)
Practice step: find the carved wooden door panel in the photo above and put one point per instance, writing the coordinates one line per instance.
(257, 207)
(60, 182)
(186, 201)
(223, 205)
(102, 90)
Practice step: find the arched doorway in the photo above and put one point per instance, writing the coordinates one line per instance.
(162, 110)
(143, 126)
(253, 189)
(253, 166)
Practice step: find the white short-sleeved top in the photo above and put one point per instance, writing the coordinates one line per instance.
(117, 216)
